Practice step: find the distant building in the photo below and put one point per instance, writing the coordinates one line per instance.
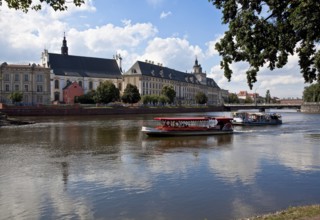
(88, 72)
(33, 81)
(71, 91)
(244, 95)
(150, 79)
(291, 101)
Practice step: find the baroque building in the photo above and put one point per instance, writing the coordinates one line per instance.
(150, 78)
(88, 72)
(33, 81)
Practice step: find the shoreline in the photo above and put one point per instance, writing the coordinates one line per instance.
(116, 110)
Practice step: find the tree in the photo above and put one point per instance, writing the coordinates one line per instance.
(312, 93)
(163, 99)
(107, 92)
(248, 100)
(25, 5)
(268, 96)
(267, 32)
(201, 98)
(86, 98)
(131, 94)
(233, 98)
(16, 97)
(169, 92)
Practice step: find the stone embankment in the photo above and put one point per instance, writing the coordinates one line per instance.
(310, 107)
(61, 110)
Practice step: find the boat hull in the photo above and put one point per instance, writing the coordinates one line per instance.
(152, 132)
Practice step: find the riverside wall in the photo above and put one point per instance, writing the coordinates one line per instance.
(78, 110)
(310, 107)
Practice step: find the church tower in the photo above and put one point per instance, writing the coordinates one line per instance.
(197, 67)
(197, 71)
(64, 48)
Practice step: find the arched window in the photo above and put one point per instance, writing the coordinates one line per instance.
(56, 84)
(90, 85)
(80, 83)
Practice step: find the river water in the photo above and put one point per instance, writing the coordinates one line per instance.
(102, 167)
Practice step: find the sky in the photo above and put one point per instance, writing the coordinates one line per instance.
(171, 32)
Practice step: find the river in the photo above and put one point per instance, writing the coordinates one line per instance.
(102, 167)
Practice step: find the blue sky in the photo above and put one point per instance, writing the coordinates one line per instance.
(171, 32)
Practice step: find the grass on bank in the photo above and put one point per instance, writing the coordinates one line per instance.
(297, 213)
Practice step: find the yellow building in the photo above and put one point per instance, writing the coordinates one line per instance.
(33, 81)
(150, 78)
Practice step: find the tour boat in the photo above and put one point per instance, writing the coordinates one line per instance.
(187, 126)
(256, 118)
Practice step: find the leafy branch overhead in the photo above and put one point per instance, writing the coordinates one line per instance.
(25, 5)
(267, 32)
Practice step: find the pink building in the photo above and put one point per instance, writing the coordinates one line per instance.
(71, 91)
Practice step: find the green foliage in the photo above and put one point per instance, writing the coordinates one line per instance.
(169, 92)
(248, 100)
(201, 98)
(312, 93)
(86, 98)
(155, 99)
(267, 32)
(107, 92)
(131, 94)
(25, 5)
(233, 98)
(163, 99)
(16, 97)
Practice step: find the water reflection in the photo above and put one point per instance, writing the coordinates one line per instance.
(105, 168)
(170, 143)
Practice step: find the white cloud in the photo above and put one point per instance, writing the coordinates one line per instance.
(211, 50)
(172, 52)
(165, 14)
(109, 38)
(36, 31)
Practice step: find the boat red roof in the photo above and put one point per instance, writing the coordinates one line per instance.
(191, 118)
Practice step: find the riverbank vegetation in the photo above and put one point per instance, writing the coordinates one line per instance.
(312, 93)
(311, 212)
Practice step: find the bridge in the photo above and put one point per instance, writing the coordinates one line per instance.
(260, 106)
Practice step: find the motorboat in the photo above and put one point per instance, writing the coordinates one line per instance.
(188, 126)
(256, 118)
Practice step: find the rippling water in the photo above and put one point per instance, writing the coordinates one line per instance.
(102, 167)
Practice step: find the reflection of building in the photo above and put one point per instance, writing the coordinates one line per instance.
(33, 81)
(150, 78)
(88, 72)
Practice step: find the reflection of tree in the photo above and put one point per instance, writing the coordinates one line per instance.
(65, 172)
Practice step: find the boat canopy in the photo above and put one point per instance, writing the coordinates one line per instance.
(224, 119)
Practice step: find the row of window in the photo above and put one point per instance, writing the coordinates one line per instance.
(39, 77)
(26, 88)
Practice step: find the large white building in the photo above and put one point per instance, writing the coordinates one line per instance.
(150, 78)
(88, 72)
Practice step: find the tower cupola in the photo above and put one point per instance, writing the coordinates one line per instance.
(64, 48)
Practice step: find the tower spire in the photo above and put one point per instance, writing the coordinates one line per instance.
(64, 48)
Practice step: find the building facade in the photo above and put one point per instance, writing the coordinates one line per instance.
(150, 79)
(88, 72)
(71, 91)
(33, 81)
